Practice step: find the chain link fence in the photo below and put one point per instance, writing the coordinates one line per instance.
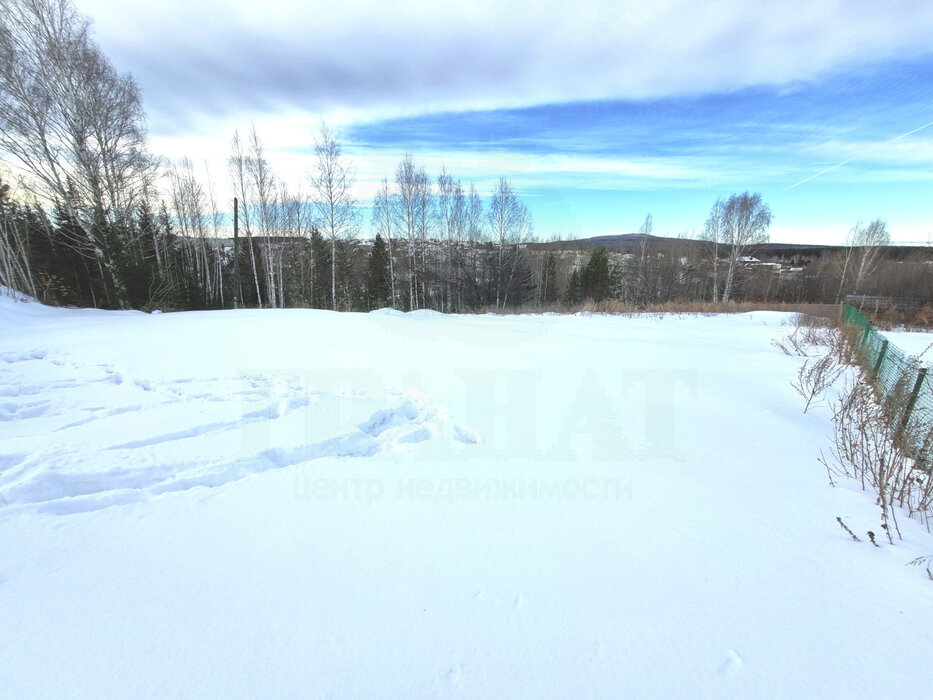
(902, 382)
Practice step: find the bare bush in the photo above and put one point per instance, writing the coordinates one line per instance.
(809, 333)
(813, 379)
(844, 345)
(792, 344)
(869, 447)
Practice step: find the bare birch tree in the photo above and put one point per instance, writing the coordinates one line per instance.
(67, 119)
(425, 217)
(406, 207)
(510, 225)
(714, 233)
(238, 166)
(216, 221)
(196, 221)
(643, 281)
(15, 272)
(333, 198)
(265, 211)
(451, 206)
(383, 223)
(746, 220)
(864, 248)
(73, 127)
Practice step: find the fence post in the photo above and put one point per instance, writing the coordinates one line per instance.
(921, 375)
(884, 350)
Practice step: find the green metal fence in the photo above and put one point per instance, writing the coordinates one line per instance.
(900, 380)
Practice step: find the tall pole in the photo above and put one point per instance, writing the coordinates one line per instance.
(236, 254)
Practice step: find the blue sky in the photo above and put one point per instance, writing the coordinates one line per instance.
(683, 152)
(598, 114)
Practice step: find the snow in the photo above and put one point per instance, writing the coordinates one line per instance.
(916, 343)
(294, 503)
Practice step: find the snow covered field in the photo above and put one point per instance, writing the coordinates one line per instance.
(302, 503)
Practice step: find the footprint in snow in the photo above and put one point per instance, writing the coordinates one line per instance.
(733, 664)
(11, 357)
(380, 421)
(417, 435)
(464, 435)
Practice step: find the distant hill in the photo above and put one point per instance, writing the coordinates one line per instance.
(628, 242)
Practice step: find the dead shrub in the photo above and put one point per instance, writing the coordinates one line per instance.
(869, 446)
(815, 377)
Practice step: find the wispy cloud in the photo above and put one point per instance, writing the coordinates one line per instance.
(897, 151)
(364, 59)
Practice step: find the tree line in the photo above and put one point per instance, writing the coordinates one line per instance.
(657, 271)
(95, 220)
(437, 245)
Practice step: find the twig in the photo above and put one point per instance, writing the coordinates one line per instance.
(846, 528)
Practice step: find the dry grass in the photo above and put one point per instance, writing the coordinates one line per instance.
(917, 318)
(707, 308)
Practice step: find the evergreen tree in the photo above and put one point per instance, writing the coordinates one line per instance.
(575, 288)
(321, 297)
(349, 277)
(377, 274)
(138, 267)
(595, 278)
(148, 232)
(72, 269)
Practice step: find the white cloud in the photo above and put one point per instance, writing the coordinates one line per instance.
(361, 59)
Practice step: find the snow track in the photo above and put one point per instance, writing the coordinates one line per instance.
(263, 421)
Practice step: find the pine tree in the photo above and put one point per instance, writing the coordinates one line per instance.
(138, 267)
(575, 288)
(595, 278)
(377, 274)
(73, 266)
(321, 297)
